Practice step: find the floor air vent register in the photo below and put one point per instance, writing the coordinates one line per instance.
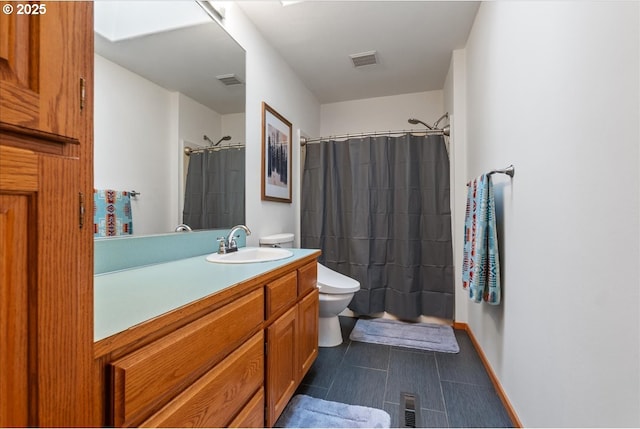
(409, 410)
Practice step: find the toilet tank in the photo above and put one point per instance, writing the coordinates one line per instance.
(277, 240)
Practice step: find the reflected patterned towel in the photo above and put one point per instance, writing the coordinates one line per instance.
(480, 261)
(111, 213)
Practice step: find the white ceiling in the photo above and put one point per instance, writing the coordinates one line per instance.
(413, 41)
(181, 49)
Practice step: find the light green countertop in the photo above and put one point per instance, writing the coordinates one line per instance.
(123, 299)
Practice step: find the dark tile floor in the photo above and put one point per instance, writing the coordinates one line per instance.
(453, 390)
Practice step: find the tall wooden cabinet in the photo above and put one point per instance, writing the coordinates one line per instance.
(46, 242)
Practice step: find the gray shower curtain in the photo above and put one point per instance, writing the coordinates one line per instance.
(378, 208)
(214, 190)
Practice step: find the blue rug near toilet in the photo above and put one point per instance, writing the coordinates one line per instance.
(308, 412)
(422, 336)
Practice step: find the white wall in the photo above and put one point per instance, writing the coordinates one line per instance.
(455, 95)
(134, 144)
(553, 87)
(380, 113)
(233, 125)
(271, 80)
(196, 121)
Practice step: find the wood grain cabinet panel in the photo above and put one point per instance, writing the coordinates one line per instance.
(220, 394)
(281, 294)
(282, 363)
(19, 95)
(42, 64)
(252, 415)
(18, 170)
(149, 377)
(307, 278)
(14, 310)
(308, 332)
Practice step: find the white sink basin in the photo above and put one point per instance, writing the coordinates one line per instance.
(248, 255)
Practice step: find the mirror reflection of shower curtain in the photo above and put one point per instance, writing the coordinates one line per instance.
(378, 208)
(214, 190)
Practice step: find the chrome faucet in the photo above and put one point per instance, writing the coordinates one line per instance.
(229, 244)
(183, 227)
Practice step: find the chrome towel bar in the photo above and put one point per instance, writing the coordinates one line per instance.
(509, 171)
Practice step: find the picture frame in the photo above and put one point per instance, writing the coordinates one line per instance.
(276, 156)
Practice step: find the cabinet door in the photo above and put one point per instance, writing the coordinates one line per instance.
(14, 275)
(307, 332)
(42, 64)
(40, 293)
(282, 363)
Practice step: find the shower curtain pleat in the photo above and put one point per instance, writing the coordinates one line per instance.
(214, 189)
(378, 207)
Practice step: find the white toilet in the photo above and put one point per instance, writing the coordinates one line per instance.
(336, 291)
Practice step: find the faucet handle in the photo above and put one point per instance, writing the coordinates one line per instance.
(222, 247)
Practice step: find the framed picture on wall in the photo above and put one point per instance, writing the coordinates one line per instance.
(276, 156)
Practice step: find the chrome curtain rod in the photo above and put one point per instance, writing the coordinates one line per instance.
(444, 131)
(188, 150)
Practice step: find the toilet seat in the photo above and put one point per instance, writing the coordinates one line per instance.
(332, 282)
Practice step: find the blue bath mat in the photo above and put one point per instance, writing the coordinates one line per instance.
(308, 412)
(422, 336)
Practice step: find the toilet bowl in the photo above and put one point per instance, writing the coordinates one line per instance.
(336, 291)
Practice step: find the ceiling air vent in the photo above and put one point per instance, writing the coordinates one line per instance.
(229, 79)
(364, 58)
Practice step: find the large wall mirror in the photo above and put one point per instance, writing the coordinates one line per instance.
(169, 114)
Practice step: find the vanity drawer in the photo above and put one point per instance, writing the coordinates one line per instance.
(307, 278)
(149, 377)
(220, 394)
(252, 415)
(281, 293)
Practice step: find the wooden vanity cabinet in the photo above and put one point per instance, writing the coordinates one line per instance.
(232, 360)
(292, 342)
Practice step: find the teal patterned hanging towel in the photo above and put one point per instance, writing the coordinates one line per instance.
(481, 262)
(111, 213)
